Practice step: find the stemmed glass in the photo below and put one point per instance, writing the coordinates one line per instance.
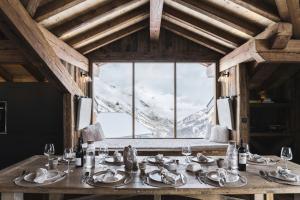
(68, 156)
(286, 154)
(49, 151)
(103, 153)
(187, 151)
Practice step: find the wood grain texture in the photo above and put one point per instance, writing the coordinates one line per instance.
(96, 17)
(294, 11)
(72, 184)
(12, 196)
(283, 10)
(70, 138)
(32, 7)
(5, 74)
(30, 32)
(195, 38)
(156, 8)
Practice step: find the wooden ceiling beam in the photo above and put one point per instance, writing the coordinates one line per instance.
(32, 6)
(13, 10)
(96, 17)
(202, 28)
(215, 17)
(11, 56)
(109, 28)
(54, 7)
(34, 72)
(195, 37)
(294, 11)
(247, 52)
(64, 51)
(284, 34)
(7, 44)
(5, 74)
(156, 8)
(283, 10)
(258, 7)
(111, 38)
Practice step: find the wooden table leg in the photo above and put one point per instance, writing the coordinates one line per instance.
(269, 196)
(12, 196)
(259, 197)
(56, 196)
(157, 197)
(296, 196)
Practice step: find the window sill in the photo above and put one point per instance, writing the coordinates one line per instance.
(162, 144)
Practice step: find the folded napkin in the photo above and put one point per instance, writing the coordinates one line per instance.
(193, 167)
(286, 174)
(201, 157)
(41, 175)
(169, 177)
(257, 158)
(109, 176)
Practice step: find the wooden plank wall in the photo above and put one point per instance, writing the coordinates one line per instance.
(139, 47)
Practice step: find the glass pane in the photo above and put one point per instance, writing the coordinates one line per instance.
(195, 91)
(154, 100)
(113, 99)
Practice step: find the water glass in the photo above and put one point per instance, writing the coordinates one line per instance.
(68, 156)
(286, 154)
(187, 151)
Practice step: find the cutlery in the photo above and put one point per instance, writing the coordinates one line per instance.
(21, 176)
(243, 179)
(85, 177)
(265, 175)
(182, 178)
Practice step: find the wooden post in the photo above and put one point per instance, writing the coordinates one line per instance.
(259, 197)
(68, 117)
(242, 125)
(56, 196)
(12, 196)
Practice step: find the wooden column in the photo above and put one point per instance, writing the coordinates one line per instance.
(242, 124)
(69, 120)
(12, 196)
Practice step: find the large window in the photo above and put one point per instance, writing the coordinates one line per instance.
(153, 100)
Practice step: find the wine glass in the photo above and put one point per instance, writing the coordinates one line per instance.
(49, 151)
(68, 156)
(103, 153)
(286, 154)
(187, 151)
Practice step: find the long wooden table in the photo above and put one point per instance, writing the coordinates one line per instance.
(256, 186)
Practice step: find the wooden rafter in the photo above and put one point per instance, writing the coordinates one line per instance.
(34, 38)
(32, 6)
(294, 11)
(284, 34)
(64, 51)
(109, 28)
(55, 7)
(202, 28)
(11, 56)
(195, 37)
(34, 72)
(216, 17)
(248, 51)
(257, 6)
(99, 16)
(111, 38)
(5, 74)
(156, 8)
(283, 10)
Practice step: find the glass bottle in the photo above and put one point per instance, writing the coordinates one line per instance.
(232, 157)
(90, 155)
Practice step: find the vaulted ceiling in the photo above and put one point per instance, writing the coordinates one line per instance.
(87, 25)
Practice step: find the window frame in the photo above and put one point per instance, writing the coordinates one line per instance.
(215, 96)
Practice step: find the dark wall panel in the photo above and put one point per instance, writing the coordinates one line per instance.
(34, 117)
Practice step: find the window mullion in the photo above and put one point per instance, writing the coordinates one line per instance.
(133, 99)
(175, 100)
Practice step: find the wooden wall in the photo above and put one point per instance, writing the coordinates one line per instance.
(138, 47)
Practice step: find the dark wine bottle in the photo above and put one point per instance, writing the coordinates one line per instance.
(79, 153)
(242, 158)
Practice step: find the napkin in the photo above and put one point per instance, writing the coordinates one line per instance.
(193, 167)
(201, 157)
(286, 174)
(41, 175)
(109, 176)
(257, 158)
(169, 177)
(159, 157)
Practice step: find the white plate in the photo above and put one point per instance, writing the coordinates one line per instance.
(155, 176)
(51, 175)
(209, 160)
(214, 176)
(274, 174)
(111, 160)
(117, 177)
(152, 159)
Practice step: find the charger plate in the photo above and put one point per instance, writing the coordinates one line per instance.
(126, 178)
(152, 160)
(209, 160)
(29, 180)
(239, 183)
(111, 161)
(154, 179)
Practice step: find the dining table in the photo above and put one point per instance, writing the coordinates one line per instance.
(256, 185)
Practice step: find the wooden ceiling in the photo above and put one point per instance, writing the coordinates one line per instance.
(87, 25)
